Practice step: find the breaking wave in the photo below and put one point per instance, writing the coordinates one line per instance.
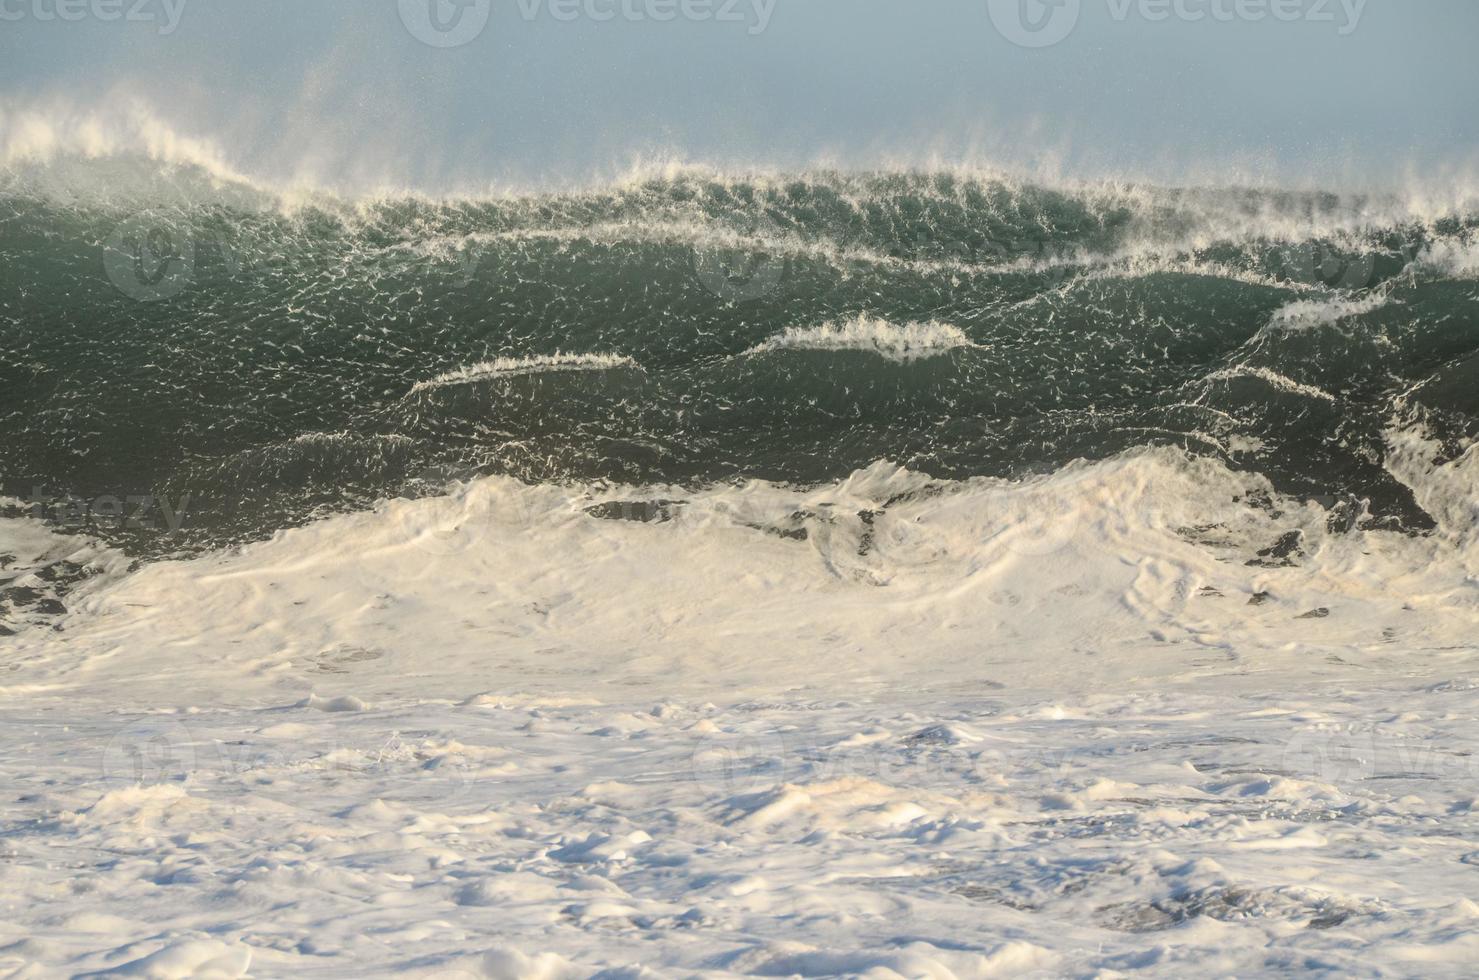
(274, 359)
(897, 342)
(511, 366)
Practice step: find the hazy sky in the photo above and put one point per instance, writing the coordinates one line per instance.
(335, 90)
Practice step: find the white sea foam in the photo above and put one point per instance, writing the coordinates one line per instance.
(1273, 379)
(867, 728)
(937, 549)
(1448, 492)
(1457, 257)
(1307, 314)
(513, 366)
(612, 730)
(895, 341)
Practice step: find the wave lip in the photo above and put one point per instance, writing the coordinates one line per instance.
(896, 342)
(504, 367)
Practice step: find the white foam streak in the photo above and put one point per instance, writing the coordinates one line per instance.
(513, 366)
(894, 341)
(1311, 313)
(1274, 379)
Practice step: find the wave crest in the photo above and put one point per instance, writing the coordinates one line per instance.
(894, 341)
(504, 367)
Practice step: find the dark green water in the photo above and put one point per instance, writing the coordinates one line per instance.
(265, 366)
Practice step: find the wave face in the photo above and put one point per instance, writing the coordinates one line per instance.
(234, 365)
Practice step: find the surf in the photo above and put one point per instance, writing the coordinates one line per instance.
(280, 358)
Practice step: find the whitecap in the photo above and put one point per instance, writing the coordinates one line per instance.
(512, 366)
(1306, 314)
(1273, 379)
(897, 342)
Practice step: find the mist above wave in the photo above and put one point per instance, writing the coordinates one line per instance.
(125, 149)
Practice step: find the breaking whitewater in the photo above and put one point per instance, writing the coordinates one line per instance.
(891, 575)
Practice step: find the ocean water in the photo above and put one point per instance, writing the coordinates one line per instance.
(237, 363)
(925, 573)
